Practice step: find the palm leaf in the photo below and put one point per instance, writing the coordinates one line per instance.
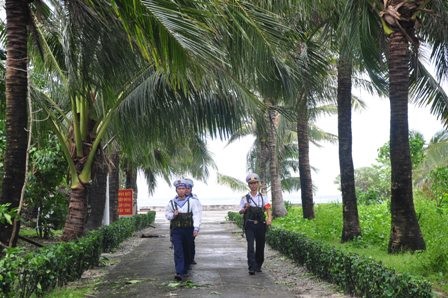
(232, 182)
(425, 90)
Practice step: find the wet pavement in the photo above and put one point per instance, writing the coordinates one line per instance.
(221, 269)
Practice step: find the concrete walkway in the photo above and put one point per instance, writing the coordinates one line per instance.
(221, 270)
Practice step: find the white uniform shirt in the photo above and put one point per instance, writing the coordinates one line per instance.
(255, 201)
(195, 207)
(195, 197)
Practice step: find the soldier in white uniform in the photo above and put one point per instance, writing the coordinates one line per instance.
(189, 193)
(185, 219)
(254, 205)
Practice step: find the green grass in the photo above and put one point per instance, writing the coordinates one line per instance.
(76, 289)
(31, 232)
(27, 232)
(431, 264)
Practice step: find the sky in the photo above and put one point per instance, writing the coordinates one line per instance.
(370, 130)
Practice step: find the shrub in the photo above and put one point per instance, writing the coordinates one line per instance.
(22, 275)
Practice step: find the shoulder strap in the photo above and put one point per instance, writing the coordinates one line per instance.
(173, 204)
(248, 197)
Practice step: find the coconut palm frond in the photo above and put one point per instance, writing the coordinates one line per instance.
(317, 135)
(232, 182)
(291, 184)
(435, 34)
(425, 90)
(151, 180)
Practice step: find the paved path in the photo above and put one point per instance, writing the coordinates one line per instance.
(148, 270)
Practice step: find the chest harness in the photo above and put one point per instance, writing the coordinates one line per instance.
(182, 220)
(255, 213)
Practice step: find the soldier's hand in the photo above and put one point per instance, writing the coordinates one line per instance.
(195, 233)
(176, 212)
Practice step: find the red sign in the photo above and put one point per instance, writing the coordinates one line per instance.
(125, 201)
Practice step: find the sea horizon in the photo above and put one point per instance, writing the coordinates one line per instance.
(232, 201)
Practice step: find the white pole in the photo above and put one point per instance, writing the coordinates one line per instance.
(106, 214)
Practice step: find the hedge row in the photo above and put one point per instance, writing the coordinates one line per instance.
(22, 275)
(356, 275)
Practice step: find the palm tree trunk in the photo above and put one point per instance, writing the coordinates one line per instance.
(262, 161)
(278, 206)
(16, 107)
(96, 193)
(405, 230)
(351, 227)
(306, 182)
(77, 213)
(114, 185)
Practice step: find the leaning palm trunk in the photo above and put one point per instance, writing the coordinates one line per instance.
(16, 109)
(81, 163)
(351, 228)
(306, 183)
(405, 230)
(278, 206)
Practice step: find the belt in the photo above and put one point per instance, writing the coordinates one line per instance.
(254, 221)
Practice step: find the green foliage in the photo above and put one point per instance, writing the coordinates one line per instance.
(46, 196)
(288, 205)
(308, 243)
(7, 214)
(431, 264)
(24, 274)
(72, 291)
(439, 185)
(327, 226)
(357, 275)
(416, 149)
(372, 184)
(236, 218)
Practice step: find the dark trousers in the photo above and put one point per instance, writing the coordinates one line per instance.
(255, 234)
(182, 242)
(193, 249)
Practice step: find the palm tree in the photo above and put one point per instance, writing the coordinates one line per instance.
(399, 22)
(313, 90)
(17, 18)
(405, 232)
(342, 39)
(169, 82)
(162, 158)
(306, 182)
(351, 227)
(278, 205)
(259, 158)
